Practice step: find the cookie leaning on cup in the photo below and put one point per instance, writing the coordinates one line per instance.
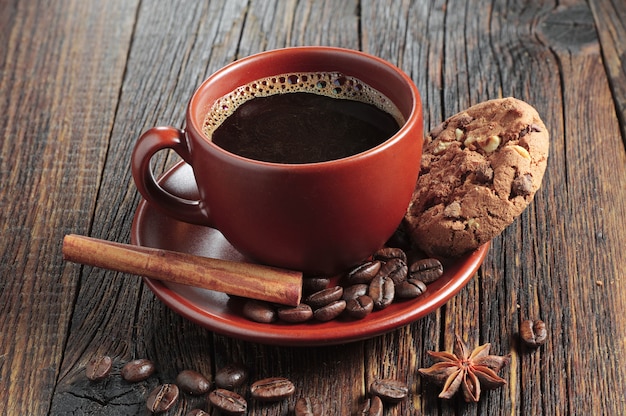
(480, 169)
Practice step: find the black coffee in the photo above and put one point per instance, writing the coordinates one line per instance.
(302, 118)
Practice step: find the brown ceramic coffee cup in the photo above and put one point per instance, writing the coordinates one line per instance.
(317, 217)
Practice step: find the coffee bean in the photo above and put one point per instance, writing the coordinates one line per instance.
(410, 289)
(330, 311)
(314, 284)
(137, 370)
(382, 291)
(360, 307)
(426, 270)
(372, 407)
(389, 390)
(383, 279)
(324, 297)
(259, 311)
(99, 368)
(192, 382)
(363, 273)
(388, 253)
(354, 291)
(272, 389)
(395, 269)
(309, 406)
(228, 402)
(231, 376)
(533, 333)
(162, 398)
(296, 314)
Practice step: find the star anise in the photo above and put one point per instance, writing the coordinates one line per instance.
(466, 371)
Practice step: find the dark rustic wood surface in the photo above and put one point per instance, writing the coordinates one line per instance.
(80, 80)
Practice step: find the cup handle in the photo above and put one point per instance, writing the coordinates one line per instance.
(149, 143)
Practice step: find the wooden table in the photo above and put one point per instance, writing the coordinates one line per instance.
(80, 81)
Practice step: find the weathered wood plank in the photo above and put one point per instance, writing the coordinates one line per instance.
(56, 114)
(277, 24)
(410, 36)
(609, 19)
(505, 59)
(588, 265)
(124, 335)
(112, 71)
(171, 54)
(477, 67)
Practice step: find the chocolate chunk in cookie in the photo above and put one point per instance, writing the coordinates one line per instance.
(480, 169)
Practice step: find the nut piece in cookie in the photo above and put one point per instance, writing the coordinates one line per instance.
(480, 169)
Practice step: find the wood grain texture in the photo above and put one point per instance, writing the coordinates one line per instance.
(610, 23)
(56, 114)
(169, 57)
(80, 81)
(406, 36)
(590, 273)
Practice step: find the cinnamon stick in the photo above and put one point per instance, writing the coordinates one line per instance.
(240, 279)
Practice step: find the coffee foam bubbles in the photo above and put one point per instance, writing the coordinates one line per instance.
(330, 84)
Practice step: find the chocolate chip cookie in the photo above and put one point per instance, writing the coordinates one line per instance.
(480, 169)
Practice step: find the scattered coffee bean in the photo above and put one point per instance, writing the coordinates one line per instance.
(410, 289)
(363, 273)
(259, 311)
(231, 376)
(324, 297)
(272, 389)
(354, 291)
(360, 307)
(389, 253)
(228, 402)
(382, 291)
(309, 406)
(426, 270)
(314, 284)
(395, 269)
(197, 412)
(533, 333)
(99, 368)
(162, 398)
(389, 390)
(372, 407)
(192, 382)
(296, 314)
(137, 370)
(330, 311)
